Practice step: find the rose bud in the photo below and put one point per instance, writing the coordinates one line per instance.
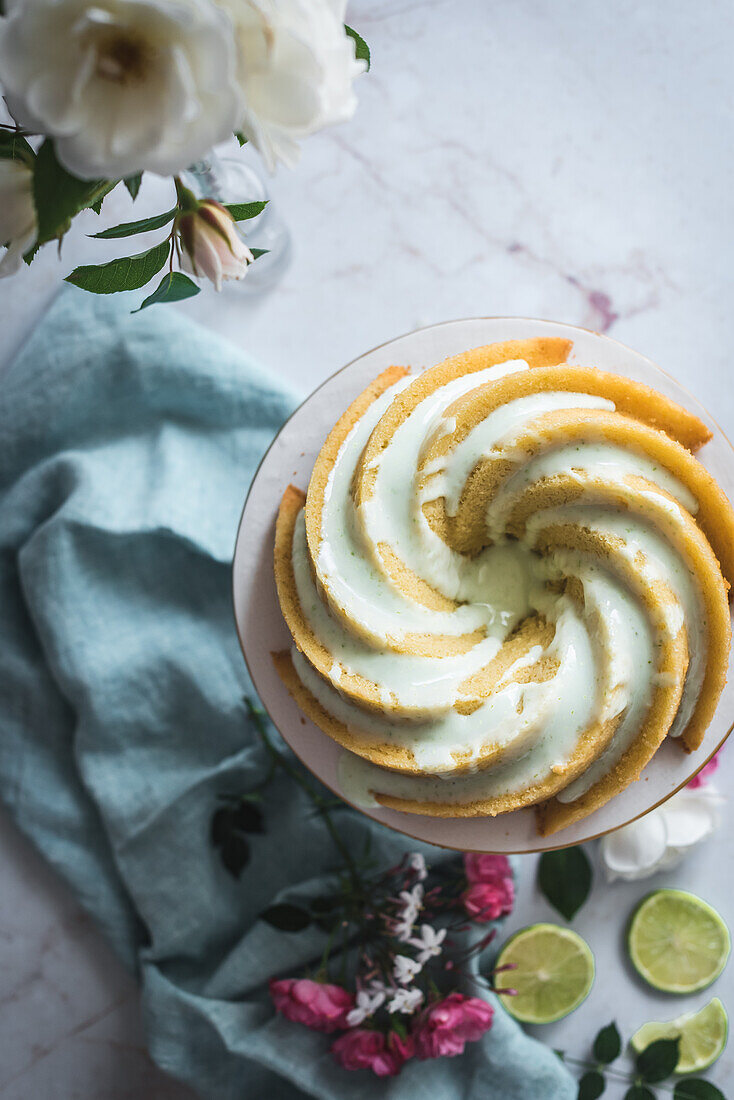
(211, 246)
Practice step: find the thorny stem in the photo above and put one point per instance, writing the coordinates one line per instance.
(280, 761)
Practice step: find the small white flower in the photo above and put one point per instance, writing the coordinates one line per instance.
(418, 864)
(402, 931)
(412, 899)
(122, 85)
(662, 837)
(368, 1001)
(296, 68)
(405, 1001)
(17, 213)
(428, 942)
(405, 969)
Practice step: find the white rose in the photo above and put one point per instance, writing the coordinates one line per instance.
(122, 85)
(17, 213)
(662, 837)
(296, 68)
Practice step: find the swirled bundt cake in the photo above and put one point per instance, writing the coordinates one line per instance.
(506, 585)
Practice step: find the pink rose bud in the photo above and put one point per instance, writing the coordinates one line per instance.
(318, 1005)
(485, 901)
(699, 780)
(444, 1028)
(361, 1048)
(211, 245)
(486, 868)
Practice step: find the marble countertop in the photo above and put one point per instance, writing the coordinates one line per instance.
(569, 161)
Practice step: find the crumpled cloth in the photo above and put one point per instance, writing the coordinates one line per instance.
(128, 442)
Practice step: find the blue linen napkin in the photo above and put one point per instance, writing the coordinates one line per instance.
(128, 443)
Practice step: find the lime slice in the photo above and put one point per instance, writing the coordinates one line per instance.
(702, 1036)
(554, 973)
(677, 942)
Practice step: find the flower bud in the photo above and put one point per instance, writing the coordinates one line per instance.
(211, 245)
(17, 213)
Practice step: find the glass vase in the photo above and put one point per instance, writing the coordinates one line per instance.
(228, 180)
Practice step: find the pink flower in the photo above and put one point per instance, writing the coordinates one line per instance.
(318, 1005)
(444, 1028)
(699, 780)
(385, 1055)
(486, 868)
(211, 245)
(485, 901)
(491, 891)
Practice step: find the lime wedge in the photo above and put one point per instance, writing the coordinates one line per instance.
(553, 975)
(702, 1036)
(677, 942)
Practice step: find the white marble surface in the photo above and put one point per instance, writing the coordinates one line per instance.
(541, 158)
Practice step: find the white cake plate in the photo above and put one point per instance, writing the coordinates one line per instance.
(261, 628)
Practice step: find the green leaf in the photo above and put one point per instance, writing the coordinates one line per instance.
(258, 252)
(241, 211)
(695, 1088)
(324, 904)
(59, 196)
(235, 854)
(133, 185)
(658, 1060)
(13, 146)
(240, 138)
(607, 1044)
(287, 918)
(639, 1092)
(174, 287)
(591, 1085)
(565, 879)
(124, 273)
(361, 49)
(128, 229)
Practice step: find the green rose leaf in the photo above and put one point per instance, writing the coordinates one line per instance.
(59, 196)
(258, 252)
(287, 918)
(565, 879)
(242, 140)
(124, 273)
(361, 49)
(173, 287)
(145, 225)
(695, 1088)
(13, 146)
(639, 1092)
(658, 1060)
(241, 211)
(133, 185)
(607, 1044)
(591, 1085)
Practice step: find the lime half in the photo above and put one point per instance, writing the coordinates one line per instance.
(677, 942)
(554, 971)
(702, 1036)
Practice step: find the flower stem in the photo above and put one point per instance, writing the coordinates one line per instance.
(615, 1074)
(278, 759)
